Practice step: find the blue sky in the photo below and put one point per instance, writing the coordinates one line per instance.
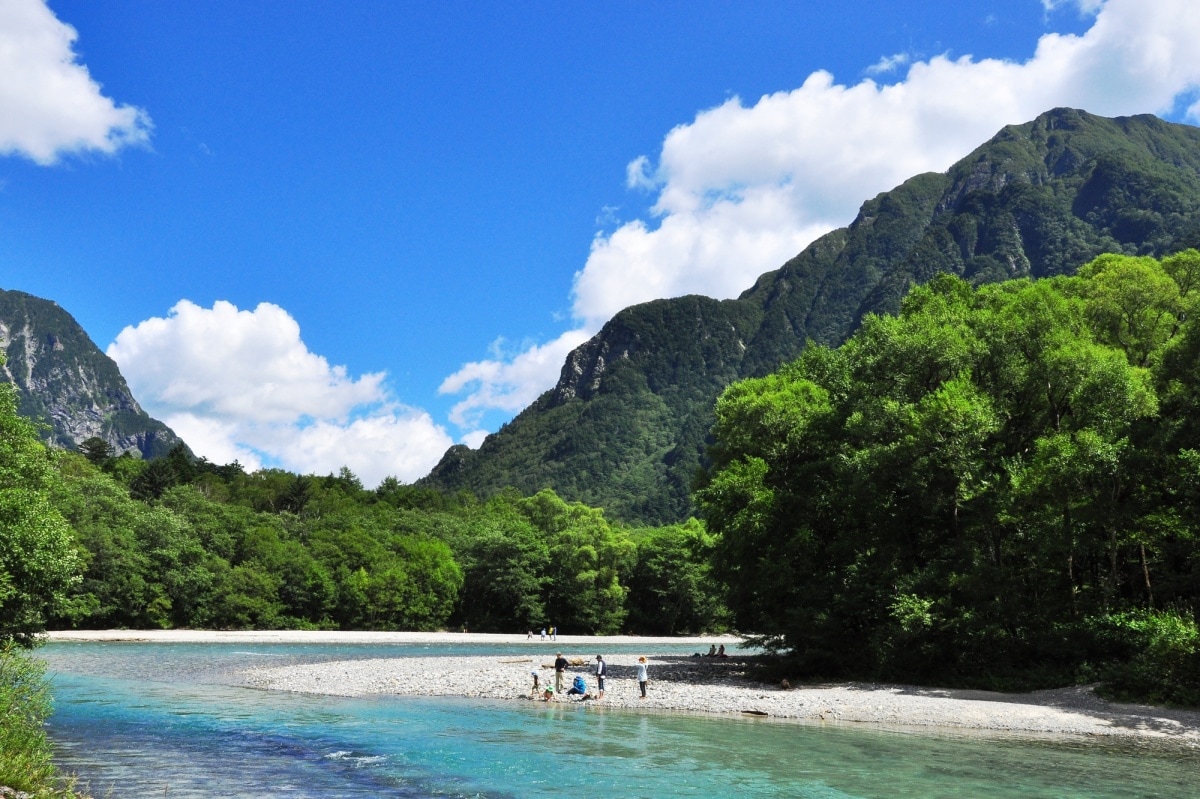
(315, 234)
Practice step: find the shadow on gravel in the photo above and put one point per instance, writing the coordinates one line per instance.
(1080, 699)
(702, 670)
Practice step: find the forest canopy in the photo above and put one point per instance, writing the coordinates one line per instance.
(997, 486)
(176, 542)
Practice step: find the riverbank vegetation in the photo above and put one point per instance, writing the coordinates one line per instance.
(38, 566)
(25, 752)
(998, 487)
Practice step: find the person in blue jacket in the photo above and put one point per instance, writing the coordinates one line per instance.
(579, 688)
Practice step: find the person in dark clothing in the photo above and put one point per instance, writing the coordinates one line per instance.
(560, 668)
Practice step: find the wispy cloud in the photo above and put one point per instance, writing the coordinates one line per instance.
(889, 63)
(49, 104)
(1085, 7)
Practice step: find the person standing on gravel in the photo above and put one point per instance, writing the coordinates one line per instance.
(601, 673)
(560, 668)
(642, 676)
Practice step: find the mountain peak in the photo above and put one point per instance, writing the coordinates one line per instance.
(64, 381)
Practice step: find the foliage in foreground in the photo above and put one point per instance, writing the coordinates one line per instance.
(38, 563)
(25, 763)
(997, 487)
(1158, 656)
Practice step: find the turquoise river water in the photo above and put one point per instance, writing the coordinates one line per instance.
(163, 720)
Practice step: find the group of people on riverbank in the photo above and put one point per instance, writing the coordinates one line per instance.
(579, 686)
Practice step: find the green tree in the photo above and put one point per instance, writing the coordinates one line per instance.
(1136, 304)
(145, 566)
(38, 563)
(951, 493)
(96, 450)
(505, 562)
(587, 559)
(672, 589)
(157, 476)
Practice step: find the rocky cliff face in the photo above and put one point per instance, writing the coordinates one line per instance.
(67, 383)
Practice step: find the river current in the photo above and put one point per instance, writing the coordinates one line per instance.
(168, 720)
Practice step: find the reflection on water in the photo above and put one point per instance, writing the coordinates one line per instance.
(163, 720)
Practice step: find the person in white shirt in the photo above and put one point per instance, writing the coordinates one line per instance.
(601, 673)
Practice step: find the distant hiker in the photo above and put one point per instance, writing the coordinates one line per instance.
(601, 673)
(553, 633)
(642, 676)
(560, 668)
(529, 635)
(543, 633)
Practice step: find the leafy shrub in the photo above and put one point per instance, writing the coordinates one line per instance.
(1157, 656)
(25, 763)
(24, 704)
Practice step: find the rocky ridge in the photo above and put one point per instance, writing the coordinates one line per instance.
(65, 382)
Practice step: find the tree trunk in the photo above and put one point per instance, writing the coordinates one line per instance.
(1146, 574)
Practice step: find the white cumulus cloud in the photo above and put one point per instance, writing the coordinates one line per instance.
(744, 187)
(242, 385)
(49, 103)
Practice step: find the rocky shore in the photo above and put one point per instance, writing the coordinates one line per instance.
(721, 685)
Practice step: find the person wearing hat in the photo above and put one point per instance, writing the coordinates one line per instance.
(601, 673)
(560, 668)
(534, 691)
(642, 677)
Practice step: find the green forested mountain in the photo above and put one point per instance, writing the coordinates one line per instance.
(625, 428)
(64, 381)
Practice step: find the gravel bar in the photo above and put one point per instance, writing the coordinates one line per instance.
(682, 683)
(721, 685)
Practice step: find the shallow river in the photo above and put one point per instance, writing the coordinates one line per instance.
(164, 720)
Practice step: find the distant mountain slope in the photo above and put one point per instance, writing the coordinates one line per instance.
(65, 381)
(626, 426)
